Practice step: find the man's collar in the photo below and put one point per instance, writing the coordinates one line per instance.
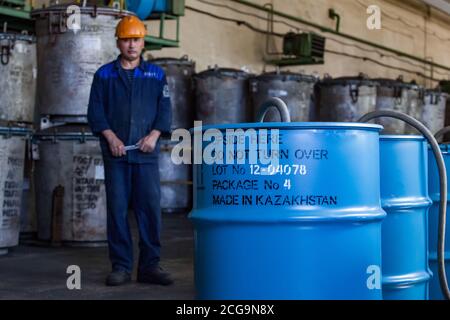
(141, 63)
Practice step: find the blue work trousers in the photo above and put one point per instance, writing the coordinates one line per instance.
(138, 185)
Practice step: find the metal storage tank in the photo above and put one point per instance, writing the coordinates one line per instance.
(345, 99)
(176, 181)
(393, 95)
(444, 86)
(68, 59)
(433, 110)
(295, 89)
(404, 197)
(433, 220)
(307, 228)
(18, 74)
(221, 96)
(12, 154)
(415, 104)
(179, 74)
(70, 189)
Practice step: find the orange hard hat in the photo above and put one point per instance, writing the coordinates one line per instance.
(130, 27)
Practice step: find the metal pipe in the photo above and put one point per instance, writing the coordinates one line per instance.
(333, 15)
(344, 35)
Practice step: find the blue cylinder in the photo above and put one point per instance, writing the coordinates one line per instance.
(404, 197)
(144, 8)
(307, 228)
(433, 220)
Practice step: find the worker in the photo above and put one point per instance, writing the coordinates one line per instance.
(129, 104)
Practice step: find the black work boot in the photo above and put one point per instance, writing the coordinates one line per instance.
(155, 276)
(117, 278)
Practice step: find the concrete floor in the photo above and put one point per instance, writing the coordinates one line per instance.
(36, 272)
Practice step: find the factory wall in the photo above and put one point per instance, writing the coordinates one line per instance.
(209, 40)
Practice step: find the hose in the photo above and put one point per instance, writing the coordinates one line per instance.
(274, 103)
(442, 185)
(441, 132)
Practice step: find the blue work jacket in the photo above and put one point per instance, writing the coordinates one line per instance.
(131, 111)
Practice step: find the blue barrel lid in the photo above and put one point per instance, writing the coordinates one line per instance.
(295, 125)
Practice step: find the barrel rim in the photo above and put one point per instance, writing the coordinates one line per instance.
(345, 81)
(15, 131)
(444, 146)
(386, 82)
(401, 137)
(294, 125)
(83, 10)
(225, 72)
(436, 93)
(252, 215)
(17, 37)
(173, 61)
(284, 76)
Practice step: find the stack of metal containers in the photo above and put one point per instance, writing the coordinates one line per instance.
(348, 98)
(176, 179)
(69, 174)
(17, 97)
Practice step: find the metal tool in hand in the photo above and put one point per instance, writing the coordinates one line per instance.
(132, 147)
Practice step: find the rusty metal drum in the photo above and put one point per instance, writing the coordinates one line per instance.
(12, 154)
(70, 189)
(67, 57)
(345, 99)
(18, 75)
(221, 96)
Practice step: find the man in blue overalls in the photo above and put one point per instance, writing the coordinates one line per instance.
(130, 105)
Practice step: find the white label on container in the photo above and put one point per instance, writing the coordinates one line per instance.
(99, 173)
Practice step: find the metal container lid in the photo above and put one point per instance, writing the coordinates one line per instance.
(223, 72)
(295, 126)
(396, 83)
(183, 61)
(284, 76)
(17, 37)
(360, 80)
(92, 10)
(433, 92)
(66, 132)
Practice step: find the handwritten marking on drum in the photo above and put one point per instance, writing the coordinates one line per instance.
(12, 191)
(86, 188)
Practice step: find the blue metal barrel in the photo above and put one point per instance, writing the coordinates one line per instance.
(309, 228)
(144, 8)
(433, 219)
(404, 197)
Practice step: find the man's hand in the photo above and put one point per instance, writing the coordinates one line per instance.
(148, 143)
(115, 144)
